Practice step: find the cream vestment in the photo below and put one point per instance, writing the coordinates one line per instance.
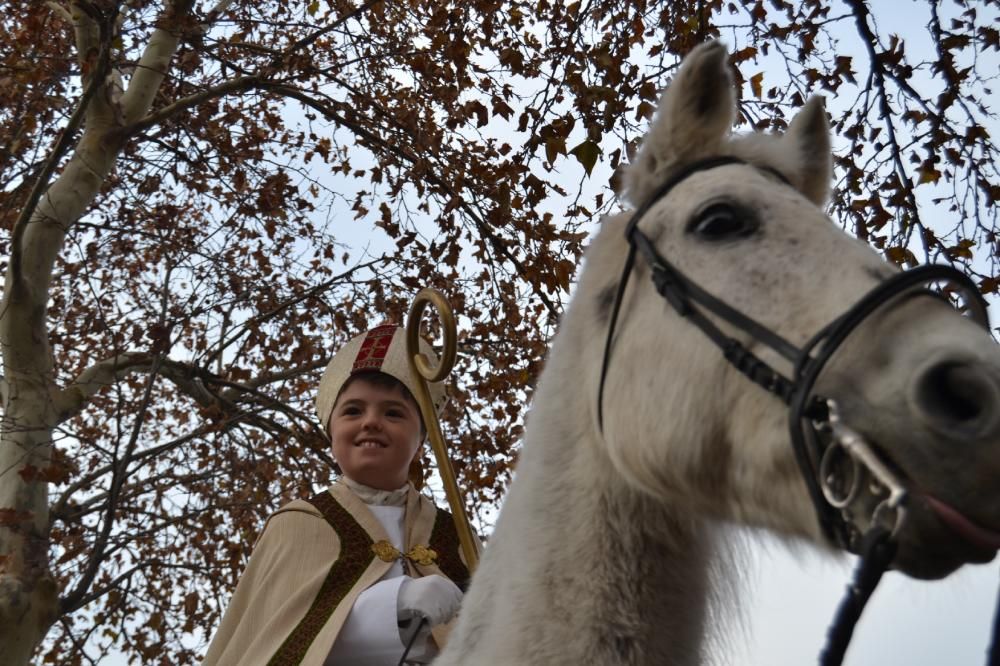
(311, 564)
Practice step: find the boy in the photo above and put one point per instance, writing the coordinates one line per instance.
(346, 576)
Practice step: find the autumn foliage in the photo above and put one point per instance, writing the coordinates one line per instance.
(299, 172)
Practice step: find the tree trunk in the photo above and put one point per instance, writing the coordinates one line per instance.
(33, 404)
(31, 400)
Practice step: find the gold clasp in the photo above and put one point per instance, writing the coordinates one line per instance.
(422, 555)
(419, 554)
(386, 551)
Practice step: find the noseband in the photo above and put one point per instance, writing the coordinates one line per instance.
(818, 434)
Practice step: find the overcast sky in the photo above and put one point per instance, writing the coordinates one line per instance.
(917, 623)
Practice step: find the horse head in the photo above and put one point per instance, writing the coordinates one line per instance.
(916, 380)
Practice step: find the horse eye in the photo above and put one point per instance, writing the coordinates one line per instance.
(722, 221)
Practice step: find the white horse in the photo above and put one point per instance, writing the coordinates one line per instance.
(601, 551)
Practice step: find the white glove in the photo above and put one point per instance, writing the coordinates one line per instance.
(433, 597)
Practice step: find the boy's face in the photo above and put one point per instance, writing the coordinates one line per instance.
(375, 431)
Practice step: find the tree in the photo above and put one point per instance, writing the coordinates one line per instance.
(203, 199)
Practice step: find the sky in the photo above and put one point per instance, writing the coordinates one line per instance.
(792, 599)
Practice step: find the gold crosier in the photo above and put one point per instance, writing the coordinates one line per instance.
(425, 373)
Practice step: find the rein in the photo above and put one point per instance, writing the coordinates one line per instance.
(817, 433)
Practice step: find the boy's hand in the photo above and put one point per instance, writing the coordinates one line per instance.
(433, 597)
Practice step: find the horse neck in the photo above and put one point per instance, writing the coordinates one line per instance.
(625, 575)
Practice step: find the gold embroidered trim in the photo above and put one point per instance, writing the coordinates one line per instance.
(421, 555)
(343, 575)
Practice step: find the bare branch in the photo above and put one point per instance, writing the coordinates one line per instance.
(61, 11)
(298, 298)
(237, 85)
(66, 137)
(154, 63)
(71, 400)
(861, 18)
(68, 604)
(328, 110)
(310, 39)
(215, 12)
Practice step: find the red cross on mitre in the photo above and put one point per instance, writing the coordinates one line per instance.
(374, 348)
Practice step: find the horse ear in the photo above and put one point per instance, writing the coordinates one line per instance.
(808, 139)
(695, 114)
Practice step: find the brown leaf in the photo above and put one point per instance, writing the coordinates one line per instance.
(586, 153)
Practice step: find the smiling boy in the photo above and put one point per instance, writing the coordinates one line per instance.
(345, 577)
(376, 429)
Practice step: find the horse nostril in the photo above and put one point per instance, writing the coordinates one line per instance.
(954, 394)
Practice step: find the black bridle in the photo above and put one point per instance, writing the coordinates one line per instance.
(809, 415)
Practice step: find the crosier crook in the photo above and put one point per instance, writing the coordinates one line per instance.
(425, 374)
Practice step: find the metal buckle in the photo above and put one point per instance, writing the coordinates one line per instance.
(864, 468)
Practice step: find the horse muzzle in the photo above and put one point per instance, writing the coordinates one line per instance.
(958, 399)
